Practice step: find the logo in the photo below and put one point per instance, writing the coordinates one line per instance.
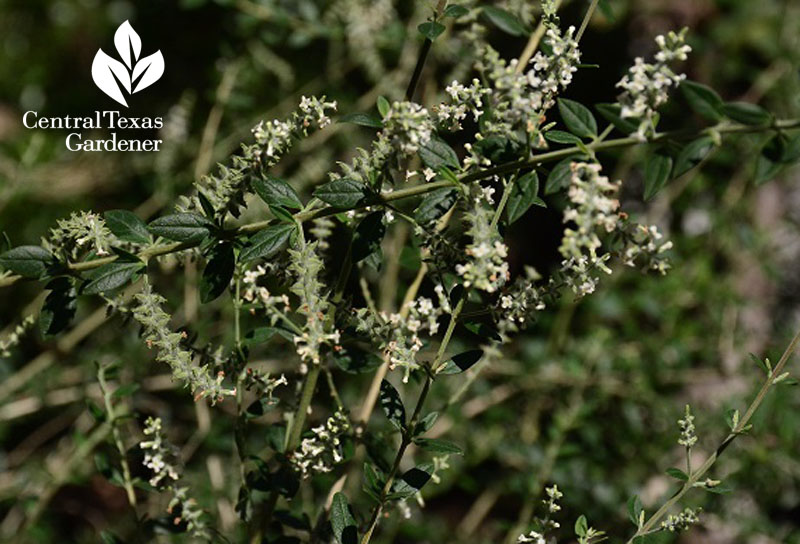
(112, 76)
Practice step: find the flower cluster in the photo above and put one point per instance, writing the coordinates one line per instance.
(363, 19)
(463, 100)
(322, 230)
(646, 86)
(520, 301)
(160, 455)
(688, 437)
(226, 189)
(320, 452)
(157, 334)
(306, 265)
(83, 230)
(174, 133)
(263, 384)
(534, 537)
(407, 126)
(486, 268)
(274, 305)
(399, 333)
(681, 522)
(545, 524)
(551, 503)
(186, 510)
(593, 206)
(15, 336)
(645, 243)
(518, 100)
(275, 138)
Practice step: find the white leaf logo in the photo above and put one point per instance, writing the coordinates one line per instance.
(112, 76)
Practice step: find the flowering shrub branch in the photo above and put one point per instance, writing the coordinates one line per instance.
(294, 274)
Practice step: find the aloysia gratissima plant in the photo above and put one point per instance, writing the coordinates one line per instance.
(455, 173)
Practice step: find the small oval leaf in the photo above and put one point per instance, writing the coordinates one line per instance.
(267, 243)
(181, 227)
(28, 261)
(578, 118)
(343, 193)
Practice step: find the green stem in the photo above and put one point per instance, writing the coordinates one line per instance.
(423, 54)
(115, 433)
(586, 19)
(740, 428)
(399, 194)
(407, 435)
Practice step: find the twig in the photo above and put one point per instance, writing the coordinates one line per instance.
(418, 190)
(740, 428)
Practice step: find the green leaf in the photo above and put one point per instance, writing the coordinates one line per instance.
(355, 360)
(718, 489)
(111, 276)
(28, 261)
(578, 118)
(768, 163)
(267, 243)
(368, 236)
(343, 193)
(678, 474)
(127, 226)
(455, 11)
(581, 526)
(483, 330)
(791, 151)
(418, 476)
(523, 195)
(560, 176)
(436, 445)
(435, 204)
(505, 21)
(95, 411)
(656, 173)
(361, 119)
(125, 390)
(561, 137)
(412, 481)
(59, 307)
(635, 509)
(702, 100)
(383, 106)
(431, 30)
(437, 153)
(612, 114)
(181, 227)
(426, 423)
(282, 214)
(342, 521)
(461, 362)
(392, 405)
(691, 155)
(262, 335)
(746, 113)
(205, 203)
(276, 192)
(218, 273)
(373, 479)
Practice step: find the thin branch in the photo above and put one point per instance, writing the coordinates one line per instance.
(737, 430)
(400, 194)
